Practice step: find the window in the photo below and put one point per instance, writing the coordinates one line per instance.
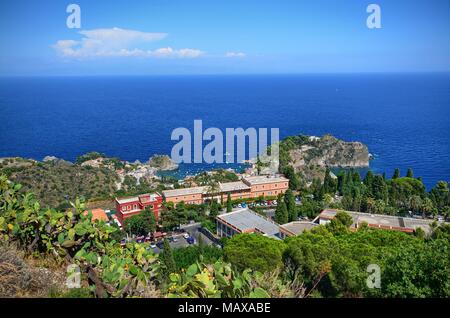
(135, 207)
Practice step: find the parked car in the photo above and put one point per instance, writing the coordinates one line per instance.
(274, 202)
(244, 205)
(160, 245)
(239, 206)
(123, 242)
(140, 239)
(186, 235)
(152, 245)
(190, 240)
(174, 239)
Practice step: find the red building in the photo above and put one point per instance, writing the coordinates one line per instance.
(127, 207)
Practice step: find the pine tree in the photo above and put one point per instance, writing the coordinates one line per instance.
(396, 174)
(409, 173)
(368, 181)
(229, 206)
(281, 213)
(329, 184)
(214, 211)
(294, 182)
(167, 260)
(290, 205)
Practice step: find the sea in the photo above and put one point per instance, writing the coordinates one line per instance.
(404, 119)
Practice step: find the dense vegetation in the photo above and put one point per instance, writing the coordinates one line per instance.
(373, 194)
(108, 270)
(328, 261)
(219, 175)
(331, 261)
(56, 182)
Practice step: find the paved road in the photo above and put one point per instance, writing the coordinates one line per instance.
(193, 230)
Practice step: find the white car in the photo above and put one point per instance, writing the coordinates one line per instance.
(186, 235)
(152, 245)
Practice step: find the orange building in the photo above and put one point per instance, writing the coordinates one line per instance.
(97, 214)
(187, 195)
(249, 187)
(266, 186)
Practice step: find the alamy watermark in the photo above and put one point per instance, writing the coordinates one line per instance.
(374, 19)
(74, 19)
(374, 278)
(235, 145)
(73, 279)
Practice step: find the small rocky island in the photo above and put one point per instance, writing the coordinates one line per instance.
(311, 155)
(162, 162)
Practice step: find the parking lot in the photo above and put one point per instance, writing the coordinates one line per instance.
(179, 240)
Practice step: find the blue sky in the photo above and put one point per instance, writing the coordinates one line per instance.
(156, 37)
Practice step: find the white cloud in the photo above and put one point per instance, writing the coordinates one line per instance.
(118, 42)
(235, 54)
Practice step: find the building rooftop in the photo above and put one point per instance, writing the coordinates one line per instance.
(233, 186)
(387, 222)
(265, 179)
(97, 214)
(147, 197)
(127, 200)
(247, 221)
(297, 227)
(183, 191)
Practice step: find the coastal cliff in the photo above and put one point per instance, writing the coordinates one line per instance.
(310, 155)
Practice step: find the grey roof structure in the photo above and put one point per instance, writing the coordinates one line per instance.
(233, 186)
(247, 221)
(264, 179)
(381, 221)
(183, 191)
(297, 227)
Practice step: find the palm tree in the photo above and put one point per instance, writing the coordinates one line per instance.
(212, 188)
(427, 206)
(415, 202)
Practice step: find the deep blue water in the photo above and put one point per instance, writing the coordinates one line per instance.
(404, 119)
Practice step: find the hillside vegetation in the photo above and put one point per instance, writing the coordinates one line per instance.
(54, 182)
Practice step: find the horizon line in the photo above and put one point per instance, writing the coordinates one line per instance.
(225, 74)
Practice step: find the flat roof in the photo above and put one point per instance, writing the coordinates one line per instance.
(297, 227)
(382, 221)
(127, 200)
(97, 214)
(247, 220)
(151, 196)
(265, 179)
(183, 191)
(233, 186)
